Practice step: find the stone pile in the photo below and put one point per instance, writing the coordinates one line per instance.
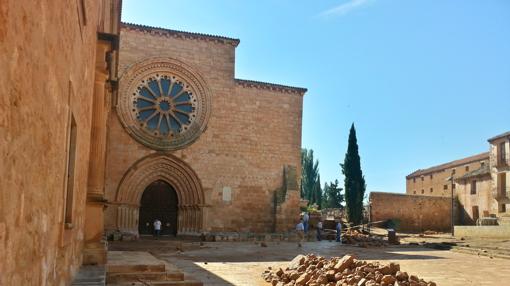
(363, 240)
(314, 270)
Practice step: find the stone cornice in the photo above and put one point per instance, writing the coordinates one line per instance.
(179, 34)
(270, 86)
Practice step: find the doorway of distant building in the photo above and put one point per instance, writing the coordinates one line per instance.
(159, 201)
(476, 213)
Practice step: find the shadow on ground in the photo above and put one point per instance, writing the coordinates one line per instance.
(241, 263)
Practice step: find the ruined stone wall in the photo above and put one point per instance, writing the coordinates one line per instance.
(252, 133)
(415, 213)
(47, 57)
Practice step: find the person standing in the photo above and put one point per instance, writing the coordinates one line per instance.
(339, 232)
(319, 230)
(306, 218)
(300, 230)
(157, 227)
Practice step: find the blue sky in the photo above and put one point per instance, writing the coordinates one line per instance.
(425, 82)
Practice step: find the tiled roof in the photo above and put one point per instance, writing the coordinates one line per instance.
(506, 134)
(482, 171)
(271, 86)
(183, 34)
(420, 172)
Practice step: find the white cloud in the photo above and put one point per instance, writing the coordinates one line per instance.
(345, 8)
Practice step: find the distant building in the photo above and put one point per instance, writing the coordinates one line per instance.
(434, 181)
(479, 182)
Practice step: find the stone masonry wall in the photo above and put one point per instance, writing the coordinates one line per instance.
(483, 199)
(47, 58)
(435, 183)
(251, 135)
(415, 213)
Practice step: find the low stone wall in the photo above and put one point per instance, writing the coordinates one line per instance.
(413, 213)
(483, 231)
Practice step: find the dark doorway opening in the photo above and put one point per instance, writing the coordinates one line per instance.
(159, 201)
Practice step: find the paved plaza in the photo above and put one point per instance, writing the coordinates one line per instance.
(241, 263)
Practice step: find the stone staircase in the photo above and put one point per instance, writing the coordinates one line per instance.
(504, 219)
(90, 275)
(141, 268)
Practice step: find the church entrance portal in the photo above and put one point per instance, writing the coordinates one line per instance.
(159, 201)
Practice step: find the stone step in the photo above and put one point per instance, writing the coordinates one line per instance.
(161, 283)
(178, 283)
(90, 276)
(112, 278)
(130, 268)
(504, 220)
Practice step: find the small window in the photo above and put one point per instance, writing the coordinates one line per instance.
(422, 178)
(431, 190)
(502, 154)
(445, 187)
(482, 164)
(473, 187)
(467, 168)
(71, 158)
(414, 192)
(423, 191)
(431, 176)
(453, 171)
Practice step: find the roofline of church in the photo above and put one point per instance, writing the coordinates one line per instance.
(271, 86)
(183, 34)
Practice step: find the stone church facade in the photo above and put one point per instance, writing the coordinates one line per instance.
(227, 148)
(105, 126)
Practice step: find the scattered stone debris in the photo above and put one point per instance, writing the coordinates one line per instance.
(431, 232)
(363, 240)
(315, 270)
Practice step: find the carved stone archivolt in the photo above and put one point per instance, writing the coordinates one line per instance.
(163, 103)
(171, 170)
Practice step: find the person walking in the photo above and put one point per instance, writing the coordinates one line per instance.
(157, 228)
(300, 230)
(339, 232)
(306, 219)
(319, 230)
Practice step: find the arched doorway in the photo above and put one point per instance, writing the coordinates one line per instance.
(159, 201)
(172, 170)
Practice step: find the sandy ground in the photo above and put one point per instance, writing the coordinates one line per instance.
(241, 263)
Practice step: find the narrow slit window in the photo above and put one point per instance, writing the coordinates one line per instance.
(71, 159)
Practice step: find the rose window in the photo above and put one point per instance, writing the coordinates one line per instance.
(163, 103)
(164, 106)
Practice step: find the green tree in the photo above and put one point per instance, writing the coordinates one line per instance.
(354, 180)
(333, 196)
(309, 174)
(325, 196)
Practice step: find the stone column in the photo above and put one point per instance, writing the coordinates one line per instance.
(95, 246)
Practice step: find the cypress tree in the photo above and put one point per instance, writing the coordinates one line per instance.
(317, 192)
(354, 180)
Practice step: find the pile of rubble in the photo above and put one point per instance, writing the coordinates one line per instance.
(340, 271)
(356, 237)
